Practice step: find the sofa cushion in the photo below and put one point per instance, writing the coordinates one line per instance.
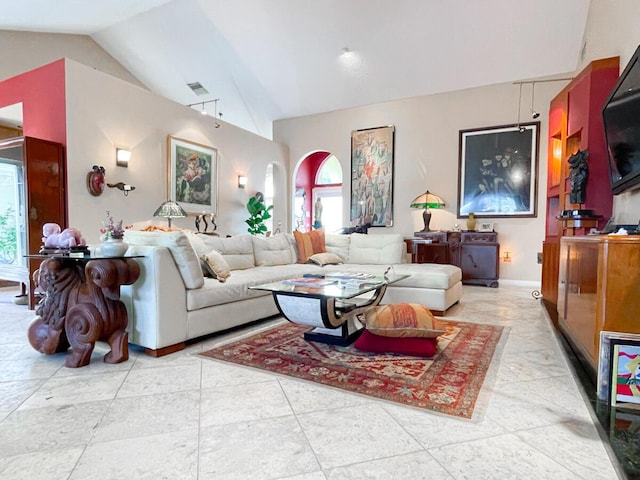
(309, 243)
(376, 249)
(418, 347)
(325, 258)
(338, 244)
(276, 250)
(428, 275)
(237, 251)
(401, 320)
(236, 288)
(178, 244)
(216, 266)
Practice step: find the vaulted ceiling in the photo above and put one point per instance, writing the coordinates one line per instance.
(273, 59)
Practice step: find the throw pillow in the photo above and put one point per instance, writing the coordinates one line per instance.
(216, 266)
(417, 347)
(326, 258)
(401, 320)
(309, 243)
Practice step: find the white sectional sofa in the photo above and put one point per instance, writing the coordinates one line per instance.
(173, 302)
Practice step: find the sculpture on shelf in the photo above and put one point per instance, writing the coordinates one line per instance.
(202, 219)
(579, 172)
(54, 237)
(317, 214)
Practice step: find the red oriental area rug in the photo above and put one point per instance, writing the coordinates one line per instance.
(449, 383)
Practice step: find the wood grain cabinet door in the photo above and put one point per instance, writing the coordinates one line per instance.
(479, 263)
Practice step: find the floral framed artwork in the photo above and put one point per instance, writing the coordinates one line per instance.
(498, 171)
(372, 152)
(193, 175)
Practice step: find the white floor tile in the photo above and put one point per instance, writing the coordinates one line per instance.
(183, 416)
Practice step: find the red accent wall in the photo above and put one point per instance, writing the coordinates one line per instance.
(42, 93)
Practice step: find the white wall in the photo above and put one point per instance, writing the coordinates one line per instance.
(426, 156)
(427, 140)
(24, 51)
(612, 30)
(104, 111)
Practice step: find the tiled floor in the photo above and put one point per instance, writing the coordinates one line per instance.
(185, 417)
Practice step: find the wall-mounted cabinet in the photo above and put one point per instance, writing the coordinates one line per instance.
(575, 123)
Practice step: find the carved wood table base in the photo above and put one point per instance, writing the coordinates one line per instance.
(81, 306)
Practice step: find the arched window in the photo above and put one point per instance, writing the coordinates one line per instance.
(328, 192)
(330, 172)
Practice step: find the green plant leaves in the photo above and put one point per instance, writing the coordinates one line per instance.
(258, 213)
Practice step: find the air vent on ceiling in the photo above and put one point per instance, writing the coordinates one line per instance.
(197, 88)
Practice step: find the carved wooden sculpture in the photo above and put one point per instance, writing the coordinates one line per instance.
(81, 306)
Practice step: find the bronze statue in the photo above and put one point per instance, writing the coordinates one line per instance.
(579, 172)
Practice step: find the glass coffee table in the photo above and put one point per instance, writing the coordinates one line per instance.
(330, 304)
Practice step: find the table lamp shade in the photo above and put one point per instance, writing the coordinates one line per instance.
(427, 200)
(169, 210)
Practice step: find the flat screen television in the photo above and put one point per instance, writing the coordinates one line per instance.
(621, 118)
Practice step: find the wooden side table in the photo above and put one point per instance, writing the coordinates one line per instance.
(82, 305)
(476, 253)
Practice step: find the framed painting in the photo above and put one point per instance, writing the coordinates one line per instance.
(485, 226)
(372, 176)
(624, 364)
(606, 370)
(498, 171)
(193, 175)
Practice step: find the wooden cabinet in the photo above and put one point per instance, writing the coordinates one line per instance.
(575, 123)
(39, 168)
(598, 289)
(476, 253)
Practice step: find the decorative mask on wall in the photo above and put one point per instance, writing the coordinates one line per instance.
(95, 181)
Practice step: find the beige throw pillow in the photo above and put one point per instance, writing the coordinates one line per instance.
(216, 266)
(326, 258)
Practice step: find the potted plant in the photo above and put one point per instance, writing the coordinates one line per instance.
(258, 213)
(112, 238)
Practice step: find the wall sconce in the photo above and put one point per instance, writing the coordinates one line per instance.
(506, 256)
(242, 181)
(122, 157)
(125, 187)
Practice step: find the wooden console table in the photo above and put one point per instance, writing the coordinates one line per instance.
(81, 305)
(476, 253)
(598, 289)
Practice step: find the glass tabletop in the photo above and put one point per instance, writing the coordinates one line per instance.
(331, 285)
(86, 258)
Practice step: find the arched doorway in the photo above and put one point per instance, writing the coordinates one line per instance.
(318, 190)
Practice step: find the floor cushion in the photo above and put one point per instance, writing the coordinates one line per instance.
(401, 320)
(417, 347)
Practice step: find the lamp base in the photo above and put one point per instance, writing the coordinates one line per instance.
(426, 217)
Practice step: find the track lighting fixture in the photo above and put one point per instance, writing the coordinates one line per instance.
(520, 127)
(203, 109)
(534, 114)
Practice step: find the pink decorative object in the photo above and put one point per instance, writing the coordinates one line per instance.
(52, 236)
